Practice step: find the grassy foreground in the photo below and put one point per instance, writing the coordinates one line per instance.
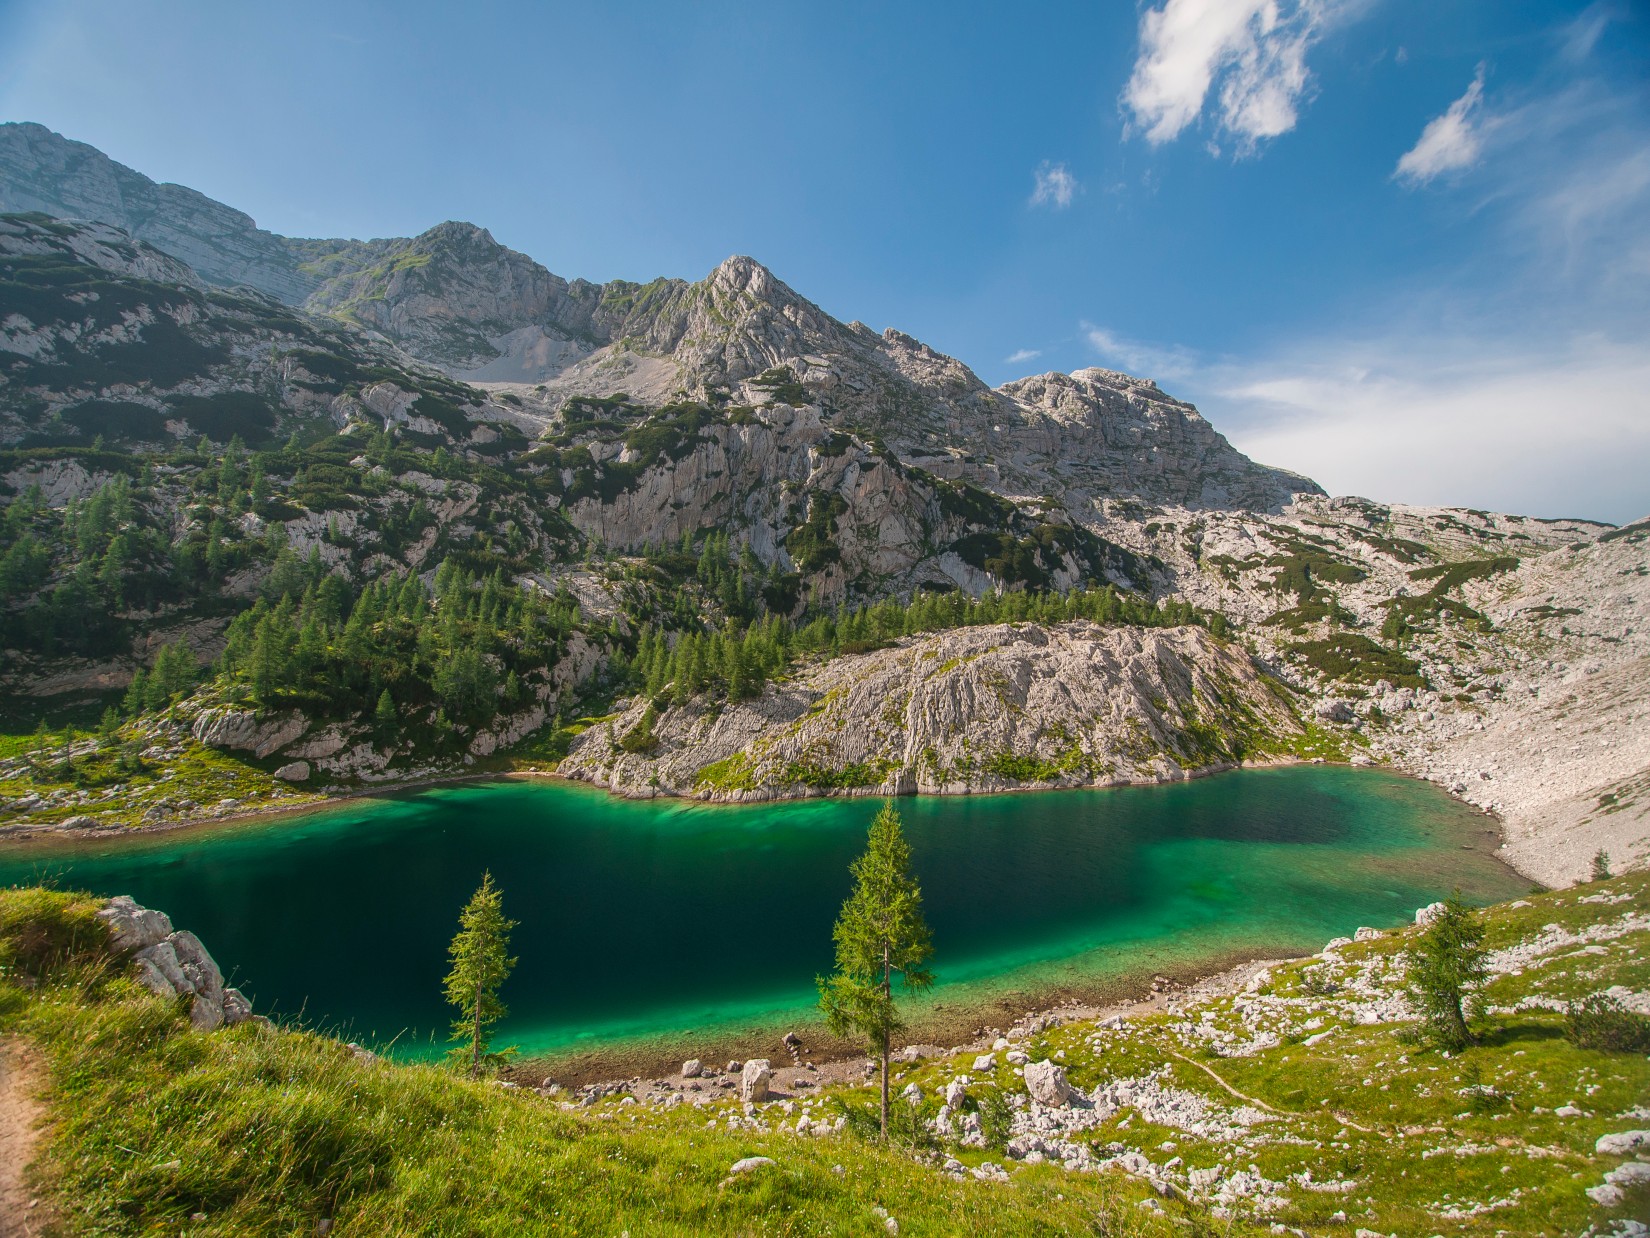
(252, 1130)
(255, 1130)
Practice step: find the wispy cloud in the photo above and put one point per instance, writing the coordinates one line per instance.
(1449, 142)
(1582, 35)
(1140, 359)
(1022, 354)
(1055, 186)
(1250, 53)
(1563, 431)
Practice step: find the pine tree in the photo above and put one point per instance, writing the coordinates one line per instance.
(385, 721)
(880, 931)
(1446, 966)
(481, 964)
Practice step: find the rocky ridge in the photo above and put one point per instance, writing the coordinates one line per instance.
(971, 710)
(43, 171)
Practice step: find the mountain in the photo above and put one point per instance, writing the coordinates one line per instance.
(419, 502)
(43, 171)
(455, 298)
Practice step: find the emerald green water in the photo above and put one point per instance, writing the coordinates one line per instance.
(658, 922)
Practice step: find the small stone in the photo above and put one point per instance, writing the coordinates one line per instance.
(750, 1163)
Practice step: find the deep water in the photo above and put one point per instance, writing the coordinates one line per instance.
(658, 921)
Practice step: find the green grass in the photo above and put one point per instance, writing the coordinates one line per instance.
(259, 1130)
(269, 1130)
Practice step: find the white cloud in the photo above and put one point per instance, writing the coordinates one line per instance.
(1055, 186)
(1560, 433)
(1449, 142)
(1022, 354)
(1141, 360)
(1254, 49)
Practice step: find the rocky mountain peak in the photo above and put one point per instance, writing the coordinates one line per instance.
(740, 273)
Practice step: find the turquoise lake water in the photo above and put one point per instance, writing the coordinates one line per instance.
(668, 924)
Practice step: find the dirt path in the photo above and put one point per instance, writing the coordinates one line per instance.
(20, 1115)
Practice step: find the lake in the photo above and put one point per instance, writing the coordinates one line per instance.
(655, 927)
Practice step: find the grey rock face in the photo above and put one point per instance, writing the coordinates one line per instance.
(244, 730)
(1109, 434)
(43, 171)
(132, 927)
(158, 964)
(197, 965)
(969, 710)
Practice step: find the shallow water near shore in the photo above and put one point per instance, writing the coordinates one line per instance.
(650, 927)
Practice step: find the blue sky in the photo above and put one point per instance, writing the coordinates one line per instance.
(1401, 246)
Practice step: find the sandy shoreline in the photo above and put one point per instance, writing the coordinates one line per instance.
(835, 1061)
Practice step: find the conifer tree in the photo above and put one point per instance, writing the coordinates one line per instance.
(481, 963)
(880, 932)
(1446, 966)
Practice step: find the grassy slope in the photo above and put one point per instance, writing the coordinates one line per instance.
(267, 1131)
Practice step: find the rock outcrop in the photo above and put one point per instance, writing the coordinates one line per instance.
(173, 963)
(974, 709)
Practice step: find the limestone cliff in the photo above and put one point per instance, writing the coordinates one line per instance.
(977, 709)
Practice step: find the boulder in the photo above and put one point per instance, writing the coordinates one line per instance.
(1623, 1143)
(1633, 1173)
(1335, 711)
(244, 730)
(985, 1062)
(294, 771)
(1047, 1084)
(692, 1068)
(237, 1007)
(750, 1163)
(754, 1079)
(1426, 915)
(956, 1092)
(132, 927)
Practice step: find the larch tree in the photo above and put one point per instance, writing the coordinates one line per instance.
(481, 964)
(879, 934)
(1445, 969)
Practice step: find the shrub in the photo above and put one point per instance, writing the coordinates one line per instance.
(1601, 1022)
(996, 1118)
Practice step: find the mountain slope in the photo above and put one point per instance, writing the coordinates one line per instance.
(43, 171)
